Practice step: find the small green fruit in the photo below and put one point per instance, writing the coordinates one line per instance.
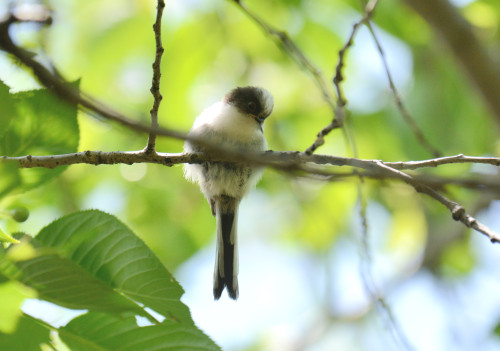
(20, 214)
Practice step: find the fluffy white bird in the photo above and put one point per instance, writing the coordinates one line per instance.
(234, 123)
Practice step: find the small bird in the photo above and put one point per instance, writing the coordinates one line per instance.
(234, 123)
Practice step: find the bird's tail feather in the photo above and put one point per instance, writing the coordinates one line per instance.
(226, 262)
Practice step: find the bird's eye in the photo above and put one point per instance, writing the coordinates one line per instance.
(252, 106)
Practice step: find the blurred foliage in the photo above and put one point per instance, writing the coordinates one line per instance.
(210, 47)
(34, 122)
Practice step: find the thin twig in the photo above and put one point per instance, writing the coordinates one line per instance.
(368, 280)
(485, 183)
(283, 40)
(366, 259)
(435, 162)
(399, 102)
(155, 85)
(338, 108)
(340, 113)
(457, 211)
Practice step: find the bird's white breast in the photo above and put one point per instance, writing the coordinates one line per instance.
(228, 121)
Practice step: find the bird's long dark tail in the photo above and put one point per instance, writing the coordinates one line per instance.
(226, 261)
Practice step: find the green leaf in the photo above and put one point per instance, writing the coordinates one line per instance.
(12, 294)
(92, 253)
(35, 123)
(8, 108)
(6, 238)
(63, 282)
(29, 335)
(101, 332)
(8, 269)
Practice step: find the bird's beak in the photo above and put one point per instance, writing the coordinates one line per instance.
(260, 119)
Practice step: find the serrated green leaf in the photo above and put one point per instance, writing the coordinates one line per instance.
(35, 123)
(103, 332)
(107, 251)
(29, 335)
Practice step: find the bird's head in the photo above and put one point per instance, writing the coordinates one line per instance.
(253, 101)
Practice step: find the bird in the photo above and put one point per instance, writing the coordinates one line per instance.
(235, 123)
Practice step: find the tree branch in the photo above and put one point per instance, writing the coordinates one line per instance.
(285, 161)
(494, 161)
(155, 85)
(340, 113)
(457, 211)
(288, 159)
(481, 67)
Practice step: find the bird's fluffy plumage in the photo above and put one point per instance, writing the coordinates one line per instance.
(234, 123)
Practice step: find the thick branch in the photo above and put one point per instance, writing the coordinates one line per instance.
(480, 66)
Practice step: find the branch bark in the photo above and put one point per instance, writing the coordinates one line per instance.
(286, 159)
(155, 84)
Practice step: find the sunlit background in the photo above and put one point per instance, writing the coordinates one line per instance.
(304, 275)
